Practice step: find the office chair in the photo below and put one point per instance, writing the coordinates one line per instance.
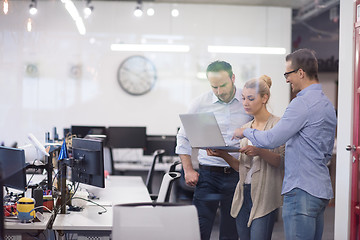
(160, 221)
(165, 187)
(157, 155)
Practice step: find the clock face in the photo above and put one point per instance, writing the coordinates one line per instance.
(137, 75)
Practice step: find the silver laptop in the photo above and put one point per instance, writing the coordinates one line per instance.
(204, 132)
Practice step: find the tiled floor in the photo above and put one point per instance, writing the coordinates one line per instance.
(278, 232)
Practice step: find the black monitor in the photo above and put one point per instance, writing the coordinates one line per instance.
(12, 162)
(83, 131)
(126, 137)
(155, 142)
(88, 162)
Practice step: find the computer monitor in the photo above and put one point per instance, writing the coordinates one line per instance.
(83, 131)
(126, 137)
(88, 162)
(155, 142)
(13, 172)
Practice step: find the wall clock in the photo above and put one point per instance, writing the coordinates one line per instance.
(137, 75)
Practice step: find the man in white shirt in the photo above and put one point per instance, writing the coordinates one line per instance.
(216, 180)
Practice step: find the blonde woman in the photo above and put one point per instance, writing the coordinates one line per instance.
(258, 192)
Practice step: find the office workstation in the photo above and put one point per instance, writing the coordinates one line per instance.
(82, 193)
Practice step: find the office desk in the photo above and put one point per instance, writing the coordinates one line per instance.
(118, 189)
(14, 229)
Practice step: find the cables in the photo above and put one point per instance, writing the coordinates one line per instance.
(88, 200)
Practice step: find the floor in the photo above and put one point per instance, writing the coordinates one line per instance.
(278, 232)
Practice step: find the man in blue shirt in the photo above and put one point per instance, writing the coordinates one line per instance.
(216, 180)
(308, 129)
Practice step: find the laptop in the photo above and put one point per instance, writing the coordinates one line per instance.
(204, 132)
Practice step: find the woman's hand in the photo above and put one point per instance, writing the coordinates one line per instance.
(216, 152)
(250, 150)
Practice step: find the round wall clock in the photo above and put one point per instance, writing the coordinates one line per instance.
(137, 75)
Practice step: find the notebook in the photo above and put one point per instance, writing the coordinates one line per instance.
(204, 132)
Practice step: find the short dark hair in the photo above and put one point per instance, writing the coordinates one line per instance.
(306, 60)
(218, 66)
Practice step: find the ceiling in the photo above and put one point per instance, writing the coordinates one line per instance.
(279, 3)
(304, 9)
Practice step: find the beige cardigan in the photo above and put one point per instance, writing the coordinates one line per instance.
(266, 180)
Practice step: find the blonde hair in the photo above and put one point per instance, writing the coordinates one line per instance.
(261, 84)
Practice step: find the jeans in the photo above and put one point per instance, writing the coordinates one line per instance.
(214, 190)
(303, 215)
(260, 228)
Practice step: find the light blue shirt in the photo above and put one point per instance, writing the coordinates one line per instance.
(308, 129)
(229, 117)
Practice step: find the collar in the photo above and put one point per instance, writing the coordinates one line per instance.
(314, 86)
(237, 97)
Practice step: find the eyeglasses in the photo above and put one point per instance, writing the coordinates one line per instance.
(288, 73)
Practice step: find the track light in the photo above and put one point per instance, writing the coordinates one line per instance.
(138, 12)
(33, 7)
(175, 12)
(88, 9)
(150, 12)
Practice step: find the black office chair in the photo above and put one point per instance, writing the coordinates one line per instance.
(157, 155)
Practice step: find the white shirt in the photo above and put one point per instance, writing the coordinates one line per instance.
(229, 117)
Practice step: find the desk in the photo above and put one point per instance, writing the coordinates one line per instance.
(118, 189)
(124, 166)
(14, 229)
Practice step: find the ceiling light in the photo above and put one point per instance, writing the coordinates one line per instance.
(138, 12)
(201, 75)
(246, 50)
(33, 9)
(5, 6)
(175, 12)
(150, 48)
(72, 10)
(88, 9)
(29, 25)
(150, 12)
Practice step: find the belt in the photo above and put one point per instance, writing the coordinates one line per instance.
(226, 170)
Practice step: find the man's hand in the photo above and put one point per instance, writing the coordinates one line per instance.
(191, 177)
(238, 134)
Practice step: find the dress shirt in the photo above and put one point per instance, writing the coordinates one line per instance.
(308, 129)
(229, 116)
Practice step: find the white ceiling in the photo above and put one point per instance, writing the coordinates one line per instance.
(279, 3)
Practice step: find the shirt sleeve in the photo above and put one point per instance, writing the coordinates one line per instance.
(182, 142)
(293, 120)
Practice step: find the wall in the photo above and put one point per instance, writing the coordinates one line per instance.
(76, 78)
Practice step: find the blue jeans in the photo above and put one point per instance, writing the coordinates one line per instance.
(214, 190)
(303, 215)
(260, 228)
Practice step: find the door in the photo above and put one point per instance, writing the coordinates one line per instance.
(354, 148)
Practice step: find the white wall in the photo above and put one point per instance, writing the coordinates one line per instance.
(344, 130)
(54, 98)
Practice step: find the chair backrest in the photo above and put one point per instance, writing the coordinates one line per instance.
(158, 221)
(166, 185)
(157, 154)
